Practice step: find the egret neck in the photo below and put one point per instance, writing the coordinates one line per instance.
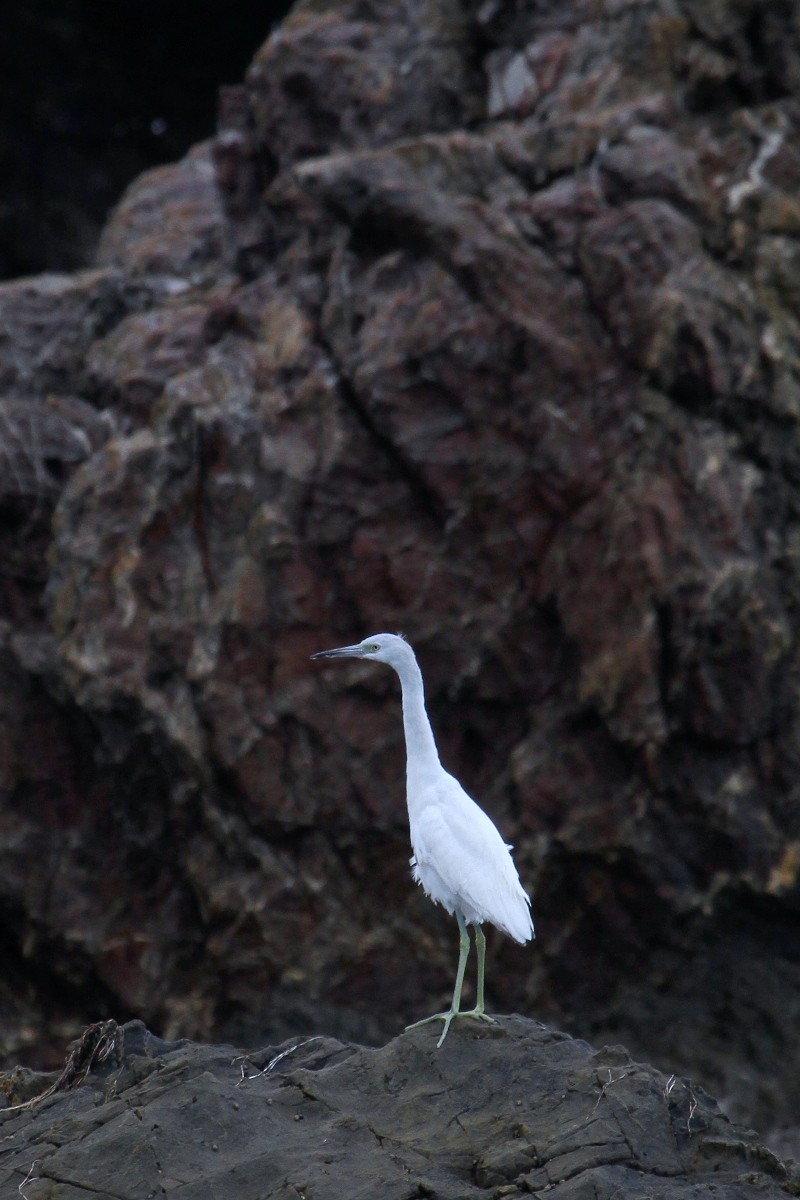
(422, 757)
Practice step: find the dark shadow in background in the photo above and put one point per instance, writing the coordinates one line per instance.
(91, 94)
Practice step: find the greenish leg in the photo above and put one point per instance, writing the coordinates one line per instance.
(480, 946)
(455, 1007)
(478, 1010)
(463, 955)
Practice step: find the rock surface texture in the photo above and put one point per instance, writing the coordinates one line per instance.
(509, 1111)
(478, 322)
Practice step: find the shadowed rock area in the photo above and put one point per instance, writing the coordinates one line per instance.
(480, 323)
(507, 1111)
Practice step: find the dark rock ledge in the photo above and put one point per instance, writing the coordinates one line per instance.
(515, 1109)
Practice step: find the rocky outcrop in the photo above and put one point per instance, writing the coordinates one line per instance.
(478, 324)
(507, 1111)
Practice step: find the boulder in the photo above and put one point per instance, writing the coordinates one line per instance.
(508, 1110)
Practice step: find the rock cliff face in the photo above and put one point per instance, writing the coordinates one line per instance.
(478, 322)
(505, 1111)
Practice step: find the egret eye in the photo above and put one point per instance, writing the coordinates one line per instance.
(373, 648)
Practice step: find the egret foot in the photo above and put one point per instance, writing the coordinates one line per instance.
(427, 1020)
(443, 1016)
(447, 1017)
(479, 1015)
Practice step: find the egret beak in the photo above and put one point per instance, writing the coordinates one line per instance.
(341, 652)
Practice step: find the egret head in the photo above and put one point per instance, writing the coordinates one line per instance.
(382, 647)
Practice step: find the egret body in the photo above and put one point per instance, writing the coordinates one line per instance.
(459, 857)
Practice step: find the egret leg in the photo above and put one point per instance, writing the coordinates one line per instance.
(455, 1007)
(456, 1001)
(480, 946)
(478, 1010)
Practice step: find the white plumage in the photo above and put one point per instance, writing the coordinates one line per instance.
(460, 859)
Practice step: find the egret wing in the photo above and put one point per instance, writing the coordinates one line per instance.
(455, 838)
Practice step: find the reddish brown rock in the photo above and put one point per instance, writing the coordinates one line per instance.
(525, 388)
(351, 74)
(170, 224)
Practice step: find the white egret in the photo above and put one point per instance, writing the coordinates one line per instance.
(459, 857)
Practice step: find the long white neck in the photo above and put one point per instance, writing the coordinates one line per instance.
(421, 752)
